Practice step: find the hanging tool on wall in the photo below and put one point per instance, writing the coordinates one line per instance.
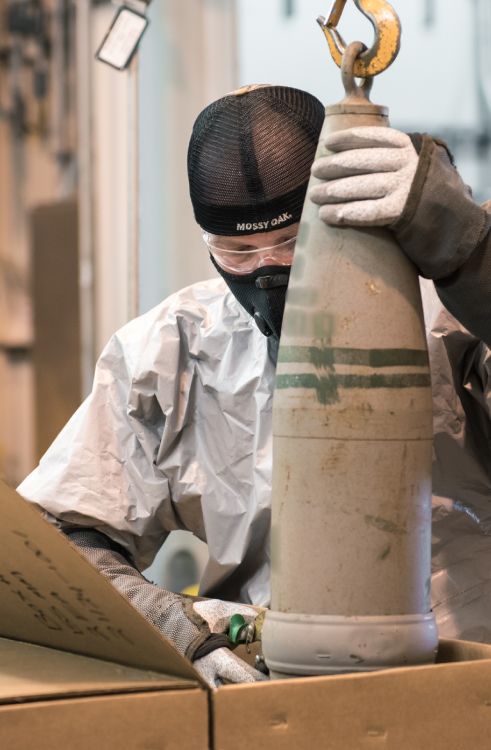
(352, 428)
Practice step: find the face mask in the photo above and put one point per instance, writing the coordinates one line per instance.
(262, 293)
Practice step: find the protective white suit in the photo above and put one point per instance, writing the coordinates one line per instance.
(177, 435)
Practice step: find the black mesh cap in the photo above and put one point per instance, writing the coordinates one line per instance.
(249, 159)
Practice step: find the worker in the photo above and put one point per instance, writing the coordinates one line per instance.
(177, 432)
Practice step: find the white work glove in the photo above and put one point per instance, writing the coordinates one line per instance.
(194, 627)
(217, 613)
(223, 667)
(367, 178)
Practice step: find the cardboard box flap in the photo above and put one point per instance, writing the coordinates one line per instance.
(29, 672)
(52, 596)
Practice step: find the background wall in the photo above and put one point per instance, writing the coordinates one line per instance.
(36, 168)
(188, 58)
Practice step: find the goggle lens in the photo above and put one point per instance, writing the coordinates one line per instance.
(242, 262)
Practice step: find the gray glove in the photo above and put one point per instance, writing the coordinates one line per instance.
(173, 615)
(223, 667)
(379, 176)
(217, 613)
(196, 628)
(367, 179)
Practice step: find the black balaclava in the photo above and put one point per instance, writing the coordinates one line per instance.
(249, 162)
(262, 293)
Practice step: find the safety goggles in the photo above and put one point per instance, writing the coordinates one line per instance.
(242, 262)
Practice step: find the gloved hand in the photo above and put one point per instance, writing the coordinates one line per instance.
(223, 667)
(217, 613)
(197, 628)
(367, 180)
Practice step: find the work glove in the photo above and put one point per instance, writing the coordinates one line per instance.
(217, 613)
(378, 176)
(197, 628)
(223, 667)
(367, 179)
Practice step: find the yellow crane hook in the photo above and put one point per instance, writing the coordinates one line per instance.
(385, 49)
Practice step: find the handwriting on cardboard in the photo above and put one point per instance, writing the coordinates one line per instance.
(75, 613)
(52, 596)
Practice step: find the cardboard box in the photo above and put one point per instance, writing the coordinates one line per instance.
(52, 699)
(50, 595)
(446, 706)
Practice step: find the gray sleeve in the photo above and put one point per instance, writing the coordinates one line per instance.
(170, 613)
(467, 292)
(441, 226)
